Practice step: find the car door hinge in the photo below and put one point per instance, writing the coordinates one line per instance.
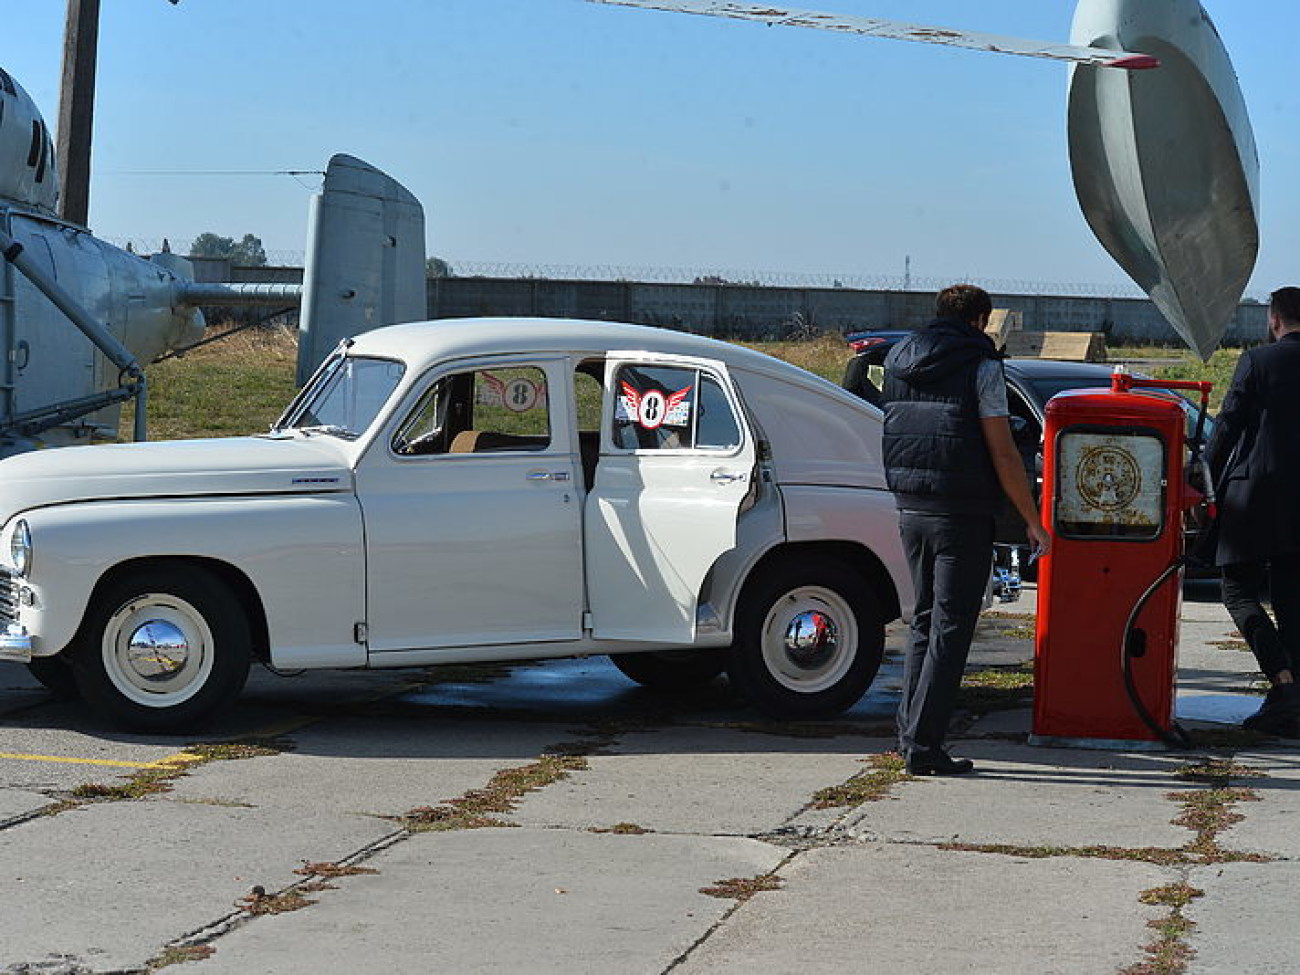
(360, 633)
(586, 622)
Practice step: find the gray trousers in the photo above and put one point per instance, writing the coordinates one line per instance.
(950, 557)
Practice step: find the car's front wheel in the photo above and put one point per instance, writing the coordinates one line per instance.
(809, 639)
(55, 675)
(162, 648)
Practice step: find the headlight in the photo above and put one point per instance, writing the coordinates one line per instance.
(20, 548)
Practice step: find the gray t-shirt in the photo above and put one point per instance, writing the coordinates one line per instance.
(991, 384)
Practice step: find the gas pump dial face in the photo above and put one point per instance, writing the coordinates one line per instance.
(1109, 484)
(1109, 477)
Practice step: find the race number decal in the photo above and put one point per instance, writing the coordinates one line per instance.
(518, 394)
(653, 408)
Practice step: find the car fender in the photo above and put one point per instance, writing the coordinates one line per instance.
(302, 554)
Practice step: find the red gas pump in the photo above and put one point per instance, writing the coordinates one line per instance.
(1109, 590)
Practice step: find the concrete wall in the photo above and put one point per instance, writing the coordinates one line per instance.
(745, 311)
(741, 311)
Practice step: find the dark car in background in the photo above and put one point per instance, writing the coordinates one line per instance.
(1030, 384)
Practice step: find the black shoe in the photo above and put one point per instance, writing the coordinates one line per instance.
(938, 762)
(1278, 713)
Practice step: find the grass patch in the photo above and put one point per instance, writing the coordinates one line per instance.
(827, 355)
(1219, 370)
(997, 688)
(886, 771)
(743, 888)
(233, 387)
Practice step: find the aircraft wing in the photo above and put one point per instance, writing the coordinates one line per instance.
(871, 27)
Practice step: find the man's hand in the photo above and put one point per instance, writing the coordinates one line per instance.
(1012, 477)
(1039, 539)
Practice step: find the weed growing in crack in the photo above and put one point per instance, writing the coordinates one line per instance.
(326, 868)
(178, 956)
(1160, 855)
(1169, 953)
(501, 795)
(887, 770)
(623, 829)
(743, 888)
(259, 902)
(158, 779)
(1208, 812)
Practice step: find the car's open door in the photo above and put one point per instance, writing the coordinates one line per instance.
(676, 462)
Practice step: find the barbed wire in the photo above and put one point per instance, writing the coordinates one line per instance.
(781, 279)
(711, 275)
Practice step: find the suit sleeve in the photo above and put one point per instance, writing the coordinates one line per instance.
(1238, 412)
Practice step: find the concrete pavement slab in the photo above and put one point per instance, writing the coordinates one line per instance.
(889, 908)
(1029, 796)
(379, 766)
(17, 803)
(505, 900)
(1245, 923)
(715, 781)
(109, 884)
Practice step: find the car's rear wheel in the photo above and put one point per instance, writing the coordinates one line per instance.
(668, 669)
(163, 648)
(809, 639)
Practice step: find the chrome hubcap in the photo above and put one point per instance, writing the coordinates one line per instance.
(157, 651)
(811, 639)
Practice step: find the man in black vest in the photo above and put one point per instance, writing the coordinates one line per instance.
(949, 460)
(1254, 459)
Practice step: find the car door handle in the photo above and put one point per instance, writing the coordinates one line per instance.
(726, 477)
(548, 475)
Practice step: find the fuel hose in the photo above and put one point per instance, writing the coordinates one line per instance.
(1175, 736)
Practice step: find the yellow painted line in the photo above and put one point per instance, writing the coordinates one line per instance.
(63, 760)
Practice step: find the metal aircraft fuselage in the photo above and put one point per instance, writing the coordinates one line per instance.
(50, 375)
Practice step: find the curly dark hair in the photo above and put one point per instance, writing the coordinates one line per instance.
(964, 302)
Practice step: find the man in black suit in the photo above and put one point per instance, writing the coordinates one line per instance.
(1254, 459)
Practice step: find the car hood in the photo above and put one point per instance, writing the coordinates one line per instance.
(177, 468)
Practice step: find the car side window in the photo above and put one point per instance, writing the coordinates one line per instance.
(716, 425)
(479, 411)
(671, 408)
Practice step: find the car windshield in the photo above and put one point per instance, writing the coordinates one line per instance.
(344, 398)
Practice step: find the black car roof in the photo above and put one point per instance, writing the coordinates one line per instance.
(1031, 369)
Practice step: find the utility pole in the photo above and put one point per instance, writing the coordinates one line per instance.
(77, 109)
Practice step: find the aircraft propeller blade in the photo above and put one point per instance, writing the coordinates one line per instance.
(895, 30)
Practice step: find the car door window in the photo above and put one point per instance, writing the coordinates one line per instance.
(672, 408)
(479, 411)
(716, 425)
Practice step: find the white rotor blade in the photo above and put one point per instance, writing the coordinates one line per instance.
(893, 29)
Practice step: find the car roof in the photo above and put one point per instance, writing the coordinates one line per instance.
(1031, 369)
(422, 344)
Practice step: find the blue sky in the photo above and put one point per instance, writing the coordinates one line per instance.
(557, 132)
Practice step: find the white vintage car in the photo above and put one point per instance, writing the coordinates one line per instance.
(472, 490)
